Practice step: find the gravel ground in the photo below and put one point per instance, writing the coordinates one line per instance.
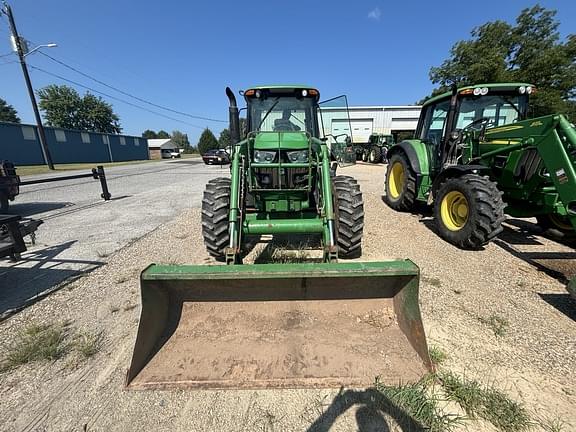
(534, 360)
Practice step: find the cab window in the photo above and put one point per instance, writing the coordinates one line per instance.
(434, 120)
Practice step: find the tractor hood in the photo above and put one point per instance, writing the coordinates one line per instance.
(281, 140)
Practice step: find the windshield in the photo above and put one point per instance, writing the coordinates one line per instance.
(498, 109)
(282, 114)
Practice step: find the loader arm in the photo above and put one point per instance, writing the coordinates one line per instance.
(554, 139)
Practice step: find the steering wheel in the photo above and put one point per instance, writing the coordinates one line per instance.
(477, 125)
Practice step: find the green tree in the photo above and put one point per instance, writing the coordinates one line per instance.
(149, 134)
(97, 115)
(8, 113)
(207, 141)
(162, 134)
(182, 141)
(63, 107)
(224, 138)
(529, 51)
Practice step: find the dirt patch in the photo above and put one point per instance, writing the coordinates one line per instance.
(533, 361)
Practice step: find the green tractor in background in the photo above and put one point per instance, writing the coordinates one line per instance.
(477, 155)
(375, 150)
(282, 324)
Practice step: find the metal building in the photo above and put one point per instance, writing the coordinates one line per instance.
(365, 120)
(19, 144)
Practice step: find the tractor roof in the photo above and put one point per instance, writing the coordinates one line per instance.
(498, 86)
(282, 86)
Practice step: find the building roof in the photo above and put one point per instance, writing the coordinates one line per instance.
(161, 143)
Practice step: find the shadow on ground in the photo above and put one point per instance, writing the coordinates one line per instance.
(371, 409)
(39, 273)
(34, 208)
(563, 302)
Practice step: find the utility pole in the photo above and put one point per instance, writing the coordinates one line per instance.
(21, 55)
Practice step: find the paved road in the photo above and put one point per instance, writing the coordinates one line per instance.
(80, 230)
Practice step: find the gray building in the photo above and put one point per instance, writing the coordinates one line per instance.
(19, 144)
(365, 120)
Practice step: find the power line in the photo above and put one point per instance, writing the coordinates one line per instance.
(113, 97)
(129, 94)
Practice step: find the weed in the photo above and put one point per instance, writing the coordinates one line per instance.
(437, 355)
(487, 403)
(435, 282)
(554, 424)
(36, 342)
(88, 343)
(418, 402)
(498, 324)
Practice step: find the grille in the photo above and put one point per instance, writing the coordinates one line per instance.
(283, 178)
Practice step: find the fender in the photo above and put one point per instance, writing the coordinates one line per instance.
(417, 153)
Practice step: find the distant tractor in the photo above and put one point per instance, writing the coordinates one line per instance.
(374, 151)
(476, 156)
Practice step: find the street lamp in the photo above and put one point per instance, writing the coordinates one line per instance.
(50, 45)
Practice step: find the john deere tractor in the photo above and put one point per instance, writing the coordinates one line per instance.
(280, 324)
(477, 155)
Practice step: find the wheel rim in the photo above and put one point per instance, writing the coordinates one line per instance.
(454, 210)
(560, 222)
(396, 179)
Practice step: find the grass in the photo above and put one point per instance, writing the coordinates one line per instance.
(48, 342)
(553, 424)
(88, 343)
(437, 355)
(498, 324)
(25, 170)
(419, 402)
(36, 342)
(486, 402)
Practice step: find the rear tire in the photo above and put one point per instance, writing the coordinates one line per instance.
(400, 184)
(469, 211)
(375, 155)
(215, 211)
(556, 222)
(349, 215)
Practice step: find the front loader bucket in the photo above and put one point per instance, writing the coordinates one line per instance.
(279, 326)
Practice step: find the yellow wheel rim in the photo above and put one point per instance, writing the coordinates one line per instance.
(454, 210)
(560, 222)
(396, 179)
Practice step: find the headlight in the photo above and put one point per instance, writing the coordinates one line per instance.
(522, 89)
(298, 156)
(484, 91)
(264, 156)
(529, 90)
(477, 91)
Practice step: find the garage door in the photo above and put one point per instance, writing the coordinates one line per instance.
(361, 128)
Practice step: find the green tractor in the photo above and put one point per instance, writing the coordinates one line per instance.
(282, 325)
(477, 155)
(374, 151)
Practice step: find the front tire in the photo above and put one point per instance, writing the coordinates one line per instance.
(375, 155)
(400, 184)
(469, 211)
(349, 215)
(215, 211)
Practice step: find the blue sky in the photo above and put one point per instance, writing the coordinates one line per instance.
(183, 54)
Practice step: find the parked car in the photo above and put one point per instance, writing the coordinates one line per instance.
(216, 156)
(170, 153)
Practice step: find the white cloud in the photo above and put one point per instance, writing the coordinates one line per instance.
(375, 14)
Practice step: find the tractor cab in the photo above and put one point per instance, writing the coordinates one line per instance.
(446, 118)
